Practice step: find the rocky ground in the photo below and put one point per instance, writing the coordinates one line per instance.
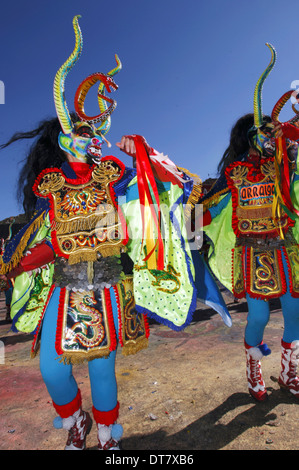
(187, 391)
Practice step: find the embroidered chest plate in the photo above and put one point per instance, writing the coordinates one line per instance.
(252, 197)
(84, 215)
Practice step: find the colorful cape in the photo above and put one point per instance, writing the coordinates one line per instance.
(220, 233)
(168, 295)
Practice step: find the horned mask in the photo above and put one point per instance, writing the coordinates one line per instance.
(260, 135)
(82, 139)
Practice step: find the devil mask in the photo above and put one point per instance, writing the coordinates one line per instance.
(82, 139)
(260, 136)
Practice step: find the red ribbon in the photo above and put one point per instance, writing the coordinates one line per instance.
(145, 180)
(285, 183)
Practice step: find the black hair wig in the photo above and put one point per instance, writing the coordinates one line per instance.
(239, 143)
(44, 153)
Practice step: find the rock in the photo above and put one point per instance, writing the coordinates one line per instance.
(152, 417)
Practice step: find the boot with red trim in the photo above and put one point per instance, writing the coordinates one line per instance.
(288, 378)
(109, 432)
(77, 422)
(256, 384)
(109, 436)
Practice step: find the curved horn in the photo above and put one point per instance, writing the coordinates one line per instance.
(296, 117)
(280, 104)
(295, 110)
(257, 101)
(58, 88)
(117, 68)
(107, 82)
(104, 128)
(81, 93)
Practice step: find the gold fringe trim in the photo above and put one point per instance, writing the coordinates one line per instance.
(195, 193)
(111, 250)
(78, 224)
(75, 258)
(19, 252)
(133, 348)
(192, 175)
(192, 201)
(71, 358)
(213, 199)
(33, 354)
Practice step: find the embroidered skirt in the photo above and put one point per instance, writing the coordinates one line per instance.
(258, 269)
(91, 323)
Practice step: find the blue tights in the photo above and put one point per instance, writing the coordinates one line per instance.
(58, 377)
(259, 314)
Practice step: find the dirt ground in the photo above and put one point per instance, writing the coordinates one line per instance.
(187, 391)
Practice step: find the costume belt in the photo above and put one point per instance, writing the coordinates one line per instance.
(262, 243)
(87, 275)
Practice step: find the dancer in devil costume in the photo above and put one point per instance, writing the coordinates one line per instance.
(92, 262)
(251, 219)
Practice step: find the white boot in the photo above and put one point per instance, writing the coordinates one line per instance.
(256, 384)
(109, 436)
(289, 362)
(78, 425)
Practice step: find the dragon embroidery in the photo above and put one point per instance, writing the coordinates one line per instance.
(170, 274)
(88, 328)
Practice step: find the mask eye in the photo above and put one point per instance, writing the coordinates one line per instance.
(85, 131)
(267, 129)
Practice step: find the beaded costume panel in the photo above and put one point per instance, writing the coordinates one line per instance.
(85, 328)
(257, 257)
(84, 216)
(252, 196)
(133, 327)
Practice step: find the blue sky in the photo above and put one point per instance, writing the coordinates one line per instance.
(189, 71)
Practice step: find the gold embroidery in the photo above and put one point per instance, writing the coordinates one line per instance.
(133, 330)
(85, 331)
(253, 205)
(293, 256)
(85, 220)
(238, 277)
(265, 275)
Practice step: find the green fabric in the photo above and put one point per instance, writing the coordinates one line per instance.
(131, 210)
(154, 290)
(223, 240)
(295, 200)
(33, 288)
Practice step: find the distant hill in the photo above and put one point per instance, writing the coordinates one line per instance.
(19, 221)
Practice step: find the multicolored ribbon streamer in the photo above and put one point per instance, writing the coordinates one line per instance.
(150, 208)
(282, 195)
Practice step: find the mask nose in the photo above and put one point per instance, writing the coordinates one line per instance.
(95, 141)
